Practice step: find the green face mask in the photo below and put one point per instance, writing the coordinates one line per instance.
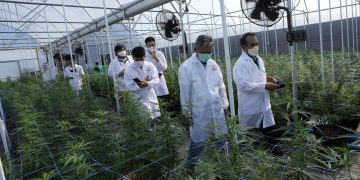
(204, 57)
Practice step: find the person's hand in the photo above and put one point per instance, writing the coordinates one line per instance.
(188, 122)
(142, 84)
(155, 57)
(226, 112)
(271, 86)
(270, 79)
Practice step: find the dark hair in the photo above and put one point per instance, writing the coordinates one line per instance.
(96, 63)
(119, 47)
(244, 36)
(203, 40)
(138, 52)
(68, 57)
(149, 39)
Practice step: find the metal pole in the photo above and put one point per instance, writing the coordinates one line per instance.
(321, 46)
(331, 44)
(227, 58)
(104, 57)
(189, 33)
(356, 29)
(293, 65)
(170, 54)
(276, 44)
(50, 45)
(131, 37)
(347, 33)
(89, 61)
(352, 25)
(182, 32)
(111, 57)
(342, 37)
(305, 18)
(69, 44)
(86, 62)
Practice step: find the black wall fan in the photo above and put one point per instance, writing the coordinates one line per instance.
(269, 12)
(168, 25)
(262, 12)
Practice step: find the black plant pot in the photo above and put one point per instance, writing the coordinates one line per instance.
(333, 135)
(350, 123)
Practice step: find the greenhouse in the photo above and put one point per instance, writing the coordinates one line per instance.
(179, 89)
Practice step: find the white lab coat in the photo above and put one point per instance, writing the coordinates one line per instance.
(203, 97)
(146, 95)
(115, 67)
(76, 81)
(162, 88)
(253, 99)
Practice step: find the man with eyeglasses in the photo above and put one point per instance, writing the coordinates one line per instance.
(203, 99)
(253, 87)
(157, 58)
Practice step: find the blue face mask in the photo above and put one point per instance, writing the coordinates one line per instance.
(204, 57)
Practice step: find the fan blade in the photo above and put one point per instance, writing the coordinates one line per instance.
(255, 14)
(265, 6)
(271, 14)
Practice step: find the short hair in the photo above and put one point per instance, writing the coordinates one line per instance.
(149, 39)
(68, 57)
(138, 52)
(119, 47)
(244, 36)
(203, 40)
(96, 63)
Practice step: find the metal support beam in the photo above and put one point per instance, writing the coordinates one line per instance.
(58, 5)
(227, 59)
(114, 17)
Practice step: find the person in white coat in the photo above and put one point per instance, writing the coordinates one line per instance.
(157, 58)
(141, 77)
(203, 97)
(117, 67)
(253, 86)
(73, 73)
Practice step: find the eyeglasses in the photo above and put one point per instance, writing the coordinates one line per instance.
(151, 45)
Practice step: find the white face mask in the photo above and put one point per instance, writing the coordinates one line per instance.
(253, 51)
(121, 53)
(139, 63)
(152, 49)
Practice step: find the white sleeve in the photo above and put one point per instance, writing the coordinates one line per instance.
(240, 75)
(162, 64)
(185, 91)
(222, 92)
(66, 73)
(154, 77)
(110, 68)
(82, 71)
(129, 80)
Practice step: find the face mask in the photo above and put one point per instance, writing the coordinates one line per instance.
(121, 53)
(253, 51)
(204, 57)
(139, 63)
(152, 49)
